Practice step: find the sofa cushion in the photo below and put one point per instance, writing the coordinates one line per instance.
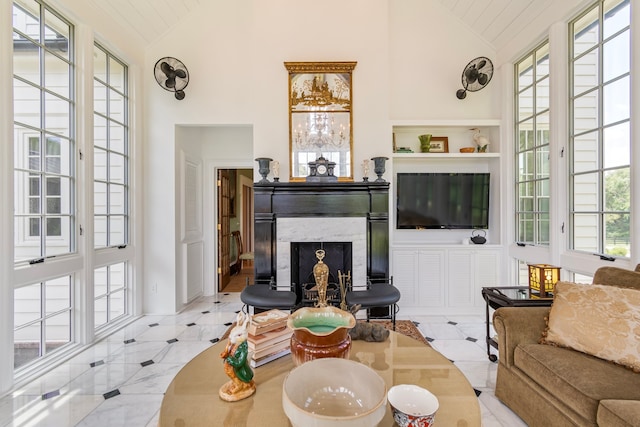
(579, 380)
(619, 413)
(603, 321)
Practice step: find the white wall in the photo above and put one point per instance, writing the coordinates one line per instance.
(235, 54)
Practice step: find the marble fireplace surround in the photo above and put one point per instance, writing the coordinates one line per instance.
(317, 230)
(301, 212)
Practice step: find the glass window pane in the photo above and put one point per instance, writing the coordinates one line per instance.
(26, 240)
(542, 162)
(100, 231)
(26, 60)
(585, 32)
(100, 197)
(616, 56)
(57, 331)
(56, 34)
(27, 304)
(26, 18)
(586, 192)
(117, 276)
(117, 305)
(100, 283)
(525, 103)
(100, 164)
(57, 294)
(617, 194)
(116, 230)
(543, 229)
(585, 109)
(526, 167)
(26, 104)
(100, 312)
(116, 138)
(99, 64)
(542, 129)
(586, 232)
(616, 16)
(57, 74)
(617, 146)
(26, 345)
(100, 98)
(525, 73)
(542, 95)
(525, 196)
(542, 189)
(117, 199)
(586, 72)
(585, 152)
(57, 114)
(525, 227)
(116, 106)
(99, 131)
(617, 234)
(526, 139)
(542, 61)
(616, 101)
(116, 168)
(116, 75)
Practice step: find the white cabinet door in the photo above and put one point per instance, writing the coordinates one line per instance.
(487, 272)
(405, 275)
(431, 280)
(461, 268)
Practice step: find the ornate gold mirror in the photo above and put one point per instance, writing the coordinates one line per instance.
(320, 118)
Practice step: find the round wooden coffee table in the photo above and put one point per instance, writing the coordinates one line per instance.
(192, 397)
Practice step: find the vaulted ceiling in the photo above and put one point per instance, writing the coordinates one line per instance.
(496, 21)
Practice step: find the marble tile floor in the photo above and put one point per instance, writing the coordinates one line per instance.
(120, 380)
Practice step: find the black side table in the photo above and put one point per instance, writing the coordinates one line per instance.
(508, 296)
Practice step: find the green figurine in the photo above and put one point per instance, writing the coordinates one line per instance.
(235, 359)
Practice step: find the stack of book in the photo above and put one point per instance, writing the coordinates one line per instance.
(269, 337)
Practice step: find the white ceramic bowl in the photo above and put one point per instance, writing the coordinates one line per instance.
(332, 392)
(412, 405)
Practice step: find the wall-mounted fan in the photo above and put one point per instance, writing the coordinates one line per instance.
(476, 75)
(172, 75)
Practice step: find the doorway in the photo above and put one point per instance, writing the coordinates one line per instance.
(235, 229)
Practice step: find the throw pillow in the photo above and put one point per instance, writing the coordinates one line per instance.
(603, 321)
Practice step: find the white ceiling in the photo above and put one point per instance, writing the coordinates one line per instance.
(496, 21)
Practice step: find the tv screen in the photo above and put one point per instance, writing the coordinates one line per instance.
(442, 200)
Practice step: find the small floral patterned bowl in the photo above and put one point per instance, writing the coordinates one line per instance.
(412, 406)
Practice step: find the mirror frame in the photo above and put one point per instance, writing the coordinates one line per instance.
(320, 116)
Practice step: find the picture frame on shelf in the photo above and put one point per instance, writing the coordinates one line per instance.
(439, 144)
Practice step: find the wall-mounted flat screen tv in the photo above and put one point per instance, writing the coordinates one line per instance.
(442, 200)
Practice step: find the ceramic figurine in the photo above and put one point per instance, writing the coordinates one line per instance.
(482, 142)
(235, 359)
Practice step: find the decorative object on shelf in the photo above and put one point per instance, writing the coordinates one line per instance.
(478, 237)
(482, 142)
(378, 167)
(476, 75)
(320, 114)
(542, 279)
(263, 168)
(235, 358)
(425, 142)
(172, 75)
(468, 150)
(275, 167)
(439, 144)
(404, 150)
(321, 170)
(365, 170)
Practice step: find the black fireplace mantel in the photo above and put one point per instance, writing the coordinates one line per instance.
(305, 199)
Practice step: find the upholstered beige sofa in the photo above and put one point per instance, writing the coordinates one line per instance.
(555, 386)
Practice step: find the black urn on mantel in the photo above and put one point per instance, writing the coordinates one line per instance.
(378, 167)
(263, 168)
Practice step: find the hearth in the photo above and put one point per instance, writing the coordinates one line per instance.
(303, 258)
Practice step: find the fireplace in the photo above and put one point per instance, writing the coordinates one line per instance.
(289, 216)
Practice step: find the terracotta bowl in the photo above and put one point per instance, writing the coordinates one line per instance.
(467, 150)
(412, 405)
(334, 393)
(320, 332)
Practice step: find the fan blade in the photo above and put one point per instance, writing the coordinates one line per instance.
(482, 63)
(483, 79)
(181, 73)
(471, 74)
(170, 82)
(167, 69)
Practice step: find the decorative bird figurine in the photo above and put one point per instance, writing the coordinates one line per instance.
(482, 142)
